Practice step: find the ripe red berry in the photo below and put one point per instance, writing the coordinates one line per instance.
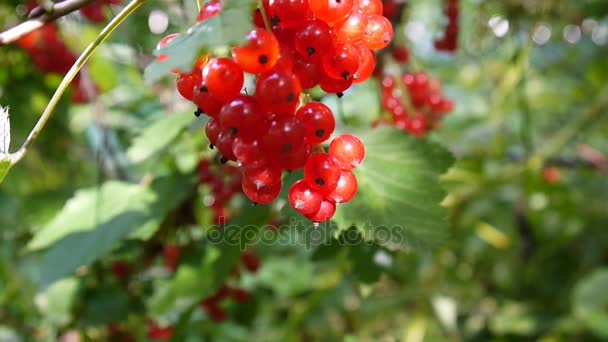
(346, 189)
(325, 213)
(279, 91)
(308, 72)
(264, 195)
(259, 54)
(371, 7)
(401, 55)
(224, 143)
(348, 150)
(367, 63)
(342, 61)
(250, 261)
(242, 117)
(378, 32)
(205, 102)
(261, 176)
(240, 295)
(304, 199)
(247, 151)
(331, 11)
(285, 135)
(334, 85)
(322, 173)
(295, 160)
(318, 120)
(289, 13)
(313, 38)
(171, 254)
(223, 78)
(216, 313)
(212, 130)
(351, 30)
(186, 83)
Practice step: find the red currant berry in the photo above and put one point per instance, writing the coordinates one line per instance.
(213, 130)
(206, 102)
(242, 117)
(352, 29)
(216, 313)
(325, 213)
(367, 63)
(264, 195)
(247, 151)
(290, 13)
(261, 176)
(401, 55)
(304, 199)
(348, 150)
(371, 7)
(378, 33)
(259, 54)
(251, 262)
(286, 135)
(322, 173)
(332, 85)
(346, 189)
(224, 145)
(342, 61)
(223, 78)
(331, 11)
(295, 160)
(240, 295)
(308, 72)
(279, 91)
(313, 38)
(318, 120)
(186, 83)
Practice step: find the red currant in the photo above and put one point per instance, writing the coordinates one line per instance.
(313, 38)
(210, 9)
(261, 176)
(279, 91)
(371, 7)
(342, 61)
(325, 213)
(352, 29)
(264, 195)
(206, 102)
(367, 63)
(346, 189)
(348, 150)
(259, 54)
(290, 13)
(285, 135)
(378, 33)
(223, 78)
(242, 117)
(322, 173)
(187, 82)
(318, 120)
(331, 11)
(212, 130)
(304, 199)
(308, 72)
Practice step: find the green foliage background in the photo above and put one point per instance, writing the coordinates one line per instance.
(506, 256)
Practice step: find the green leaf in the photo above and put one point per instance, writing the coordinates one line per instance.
(158, 136)
(60, 296)
(105, 305)
(229, 28)
(591, 302)
(398, 203)
(359, 106)
(278, 274)
(5, 165)
(91, 224)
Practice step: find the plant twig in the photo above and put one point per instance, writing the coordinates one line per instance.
(48, 111)
(44, 17)
(264, 16)
(200, 4)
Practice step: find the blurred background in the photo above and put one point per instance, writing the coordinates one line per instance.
(524, 256)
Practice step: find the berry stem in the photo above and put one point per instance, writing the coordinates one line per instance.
(69, 77)
(200, 4)
(264, 16)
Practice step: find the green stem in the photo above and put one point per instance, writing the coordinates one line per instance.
(200, 4)
(264, 16)
(69, 77)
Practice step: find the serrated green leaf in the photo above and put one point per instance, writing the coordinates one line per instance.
(398, 203)
(5, 165)
(94, 220)
(158, 136)
(228, 28)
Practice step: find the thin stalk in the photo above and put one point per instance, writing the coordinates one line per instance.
(69, 77)
(264, 16)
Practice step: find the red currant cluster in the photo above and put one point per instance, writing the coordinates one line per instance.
(449, 41)
(417, 105)
(328, 179)
(328, 43)
(224, 182)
